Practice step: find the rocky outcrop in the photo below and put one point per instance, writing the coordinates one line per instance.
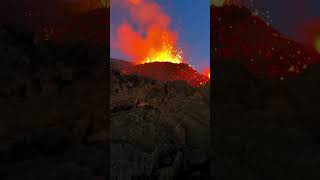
(158, 130)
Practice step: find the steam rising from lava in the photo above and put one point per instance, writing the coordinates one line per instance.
(151, 40)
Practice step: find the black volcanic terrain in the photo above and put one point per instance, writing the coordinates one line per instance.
(240, 35)
(162, 71)
(159, 128)
(52, 100)
(265, 100)
(261, 90)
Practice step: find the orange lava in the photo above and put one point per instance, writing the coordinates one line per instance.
(166, 53)
(147, 37)
(206, 72)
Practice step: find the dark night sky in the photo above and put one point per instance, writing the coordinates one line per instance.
(289, 15)
(58, 19)
(35, 12)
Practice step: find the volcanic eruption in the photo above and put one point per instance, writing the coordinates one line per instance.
(239, 34)
(147, 39)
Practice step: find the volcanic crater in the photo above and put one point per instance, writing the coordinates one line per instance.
(162, 71)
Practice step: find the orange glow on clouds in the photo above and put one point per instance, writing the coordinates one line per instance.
(152, 40)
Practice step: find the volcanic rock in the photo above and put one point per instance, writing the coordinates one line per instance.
(264, 128)
(166, 122)
(162, 71)
(239, 34)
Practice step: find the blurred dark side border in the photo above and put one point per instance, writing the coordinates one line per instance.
(107, 109)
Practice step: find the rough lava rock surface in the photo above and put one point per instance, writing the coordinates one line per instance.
(158, 130)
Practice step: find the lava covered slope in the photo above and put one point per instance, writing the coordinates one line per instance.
(162, 71)
(238, 34)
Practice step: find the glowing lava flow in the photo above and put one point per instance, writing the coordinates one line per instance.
(165, 51)
(166, 54)
(206, 72)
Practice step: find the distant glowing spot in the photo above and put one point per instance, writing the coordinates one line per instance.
(218, 3)
(317, 44)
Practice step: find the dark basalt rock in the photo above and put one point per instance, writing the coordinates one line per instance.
(167, 123)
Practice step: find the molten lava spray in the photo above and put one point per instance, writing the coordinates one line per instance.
(151, 40)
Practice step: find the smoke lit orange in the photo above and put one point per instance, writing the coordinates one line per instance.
(151, 40)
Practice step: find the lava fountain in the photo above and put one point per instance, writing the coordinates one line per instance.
(167, 53)
(145, 36)
(148, 37)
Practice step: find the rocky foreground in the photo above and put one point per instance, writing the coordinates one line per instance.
(264, 129)
(52, 101)
(158, 130)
